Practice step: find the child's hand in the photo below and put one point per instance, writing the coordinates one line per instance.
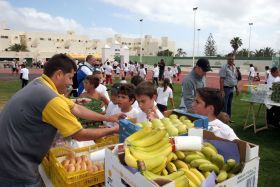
(152, 114)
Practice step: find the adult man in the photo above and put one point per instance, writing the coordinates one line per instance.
(195, 79)
(228, 81)
(30, 120)
(86, 69)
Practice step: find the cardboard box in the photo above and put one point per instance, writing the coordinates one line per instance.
(116, 173)
(127, 127)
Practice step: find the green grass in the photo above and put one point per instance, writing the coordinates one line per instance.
(268, 140)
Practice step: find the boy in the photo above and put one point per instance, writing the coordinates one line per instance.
(146, 95)
(126, 98)
(142, 72)
(113, 104)
(155, 75)
(209, 102)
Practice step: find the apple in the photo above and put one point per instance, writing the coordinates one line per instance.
(183, 118)
(172, 131)
(182, 129)
(139, 124)
(157, 123)
(173, 116)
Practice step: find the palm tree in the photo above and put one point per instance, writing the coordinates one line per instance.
(235, 43)
(17, 48)
(268, 51)
(259, 52)
(243, 52)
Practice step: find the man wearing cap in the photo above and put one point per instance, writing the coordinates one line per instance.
(195, 79)
(228, 81)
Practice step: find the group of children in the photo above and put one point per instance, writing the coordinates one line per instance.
(141, 101)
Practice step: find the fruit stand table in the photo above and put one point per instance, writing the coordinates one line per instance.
(263, 103)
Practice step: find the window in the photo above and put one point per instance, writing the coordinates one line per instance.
(67, 47)
(29, 39)
(57, 40)
(16, 37)
(49, 39)
(42, 39)
(6, 37)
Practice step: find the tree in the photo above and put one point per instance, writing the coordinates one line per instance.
(268, 52)
(235, 43)
(17, 48)
(165, 53)
(243, 52)
(210, 46)
(180, 52)
(259, 52)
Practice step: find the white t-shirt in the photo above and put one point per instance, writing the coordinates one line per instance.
(142, 73)
(87, 68)
(108, 70)
(142, 116)
(132, 68)
(25, 73)
(252, 72)
(103, 90)
(162, 97)
(156, 72)
(175, 70)
(118, 70)
(110, 111)
(168, 75)
(222, 130)
(271, 80)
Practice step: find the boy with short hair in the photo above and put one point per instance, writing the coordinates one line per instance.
(209, 102)
(146, 95)
(126, 98)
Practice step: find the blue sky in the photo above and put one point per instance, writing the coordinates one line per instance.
(173, 18)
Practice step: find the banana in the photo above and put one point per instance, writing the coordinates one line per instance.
(192, 157)
(160, 167)
(181, 181)
(180, 155)
(169, 157)
(207, 144)
(139, 134)
(180, 164)
(171, 167)
(153, 147)
(218, 160)
(230, 175)
(192, 177)
(236, 169)
(199, 175)
(222, 176)
(226, 167)
(208, 152)
(149, 163)
(206, 173)
(172, 176)
(191, 184)
(150, 139)
(140, 155)
(174, 157)
(209, 167)
(164, 172)
(197, 162)
(231, 162)
(200, 153)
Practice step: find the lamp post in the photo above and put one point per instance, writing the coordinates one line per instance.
(141, 21)
(250, 26)
(198, 42)
(194, 9)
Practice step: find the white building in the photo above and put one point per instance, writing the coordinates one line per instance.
(45, 44)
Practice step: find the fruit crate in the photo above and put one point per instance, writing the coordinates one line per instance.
(46, 165)
(60, 177)
(111, 139)
(127, 127)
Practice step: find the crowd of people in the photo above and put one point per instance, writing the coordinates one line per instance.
(28, 123)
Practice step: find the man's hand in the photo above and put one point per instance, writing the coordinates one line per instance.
(115, 128)
(237, 92)
(116, 117)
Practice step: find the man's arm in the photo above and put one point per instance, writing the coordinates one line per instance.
(188, 94)
(83, 112)
(92, 134)
(222, 83)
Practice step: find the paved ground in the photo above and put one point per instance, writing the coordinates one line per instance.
(212, 78)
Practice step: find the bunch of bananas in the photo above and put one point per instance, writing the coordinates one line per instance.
(185, 168)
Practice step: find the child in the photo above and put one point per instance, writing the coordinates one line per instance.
(118, 71)
(146, 95)
(142, 72)
(113, 104)
(168, 74)
(108, 73)
(224, 117)
(163, 93)
(90, 85)
(209, 102)
(101, 88)
(126, 98)
(24, 75)
(155, 75)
